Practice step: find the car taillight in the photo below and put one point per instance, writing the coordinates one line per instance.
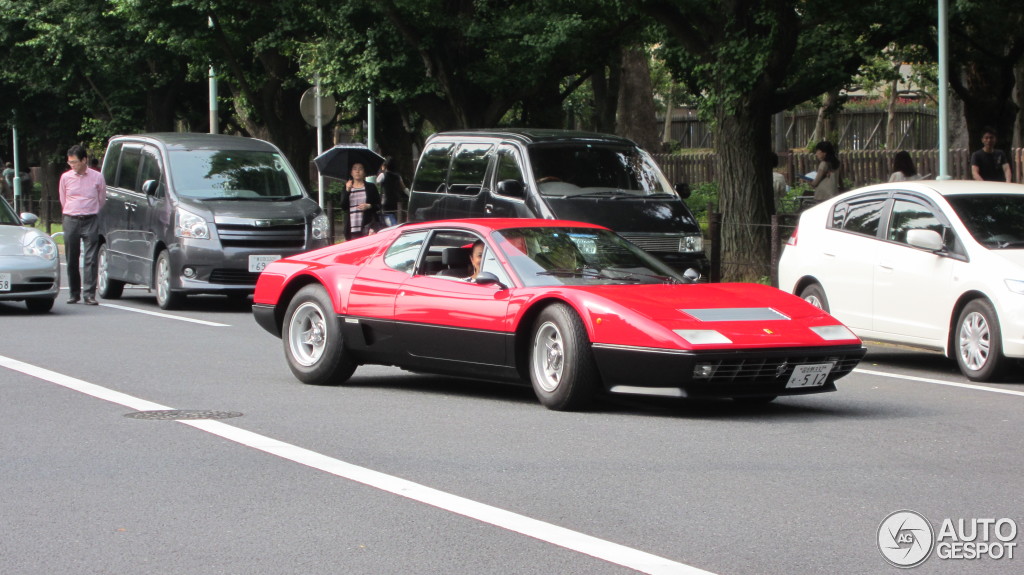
(792, 238)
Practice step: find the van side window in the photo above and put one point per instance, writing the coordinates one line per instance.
(110, 162)
(859, 215)
(468, 168)
(151, 170)
(433, 169)
(131, 157)
(508, 167)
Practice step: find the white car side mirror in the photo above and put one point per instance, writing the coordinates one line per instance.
(925, 239)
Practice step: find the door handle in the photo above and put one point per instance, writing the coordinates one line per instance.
(488, 208)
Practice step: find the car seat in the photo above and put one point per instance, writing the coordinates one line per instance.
(455, 262)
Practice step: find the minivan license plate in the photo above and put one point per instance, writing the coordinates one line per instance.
(812, 375)
(5, 282)
(259, 263)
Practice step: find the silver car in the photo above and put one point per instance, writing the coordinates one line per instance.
(29, 265)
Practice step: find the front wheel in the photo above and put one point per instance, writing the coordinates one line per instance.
(165, 298)
(106, 287)
(979, 349)
(814, 294)
(562, 368)
(313, 344)
(39, 305)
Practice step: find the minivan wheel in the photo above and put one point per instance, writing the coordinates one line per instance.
(106, 287)
(313, 344)
(979, 349)
(165, 298)
(814, 294)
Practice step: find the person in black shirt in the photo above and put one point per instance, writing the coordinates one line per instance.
(392, 191)
(988, 163)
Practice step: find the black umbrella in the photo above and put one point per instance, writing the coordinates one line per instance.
(337, 162)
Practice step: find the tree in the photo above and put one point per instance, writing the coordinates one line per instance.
(748, 59)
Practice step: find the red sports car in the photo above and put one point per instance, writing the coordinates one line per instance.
(570, 307)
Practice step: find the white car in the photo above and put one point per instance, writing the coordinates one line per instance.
(932, 264)
(29, 265)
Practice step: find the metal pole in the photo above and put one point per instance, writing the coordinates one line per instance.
(319, 137)
(214, 116)
(943, 89)
(16, 182)
(371, 141)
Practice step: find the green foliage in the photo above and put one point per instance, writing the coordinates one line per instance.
(701, 196)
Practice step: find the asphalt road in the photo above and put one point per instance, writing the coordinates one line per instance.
(404, 473)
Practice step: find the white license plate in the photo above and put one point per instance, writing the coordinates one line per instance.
(5, 282)
(811, 375)
(259, 263)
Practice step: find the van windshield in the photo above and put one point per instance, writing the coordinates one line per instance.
(585, 170)
(233, 175)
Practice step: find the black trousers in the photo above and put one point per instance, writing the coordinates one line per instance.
(81, 230)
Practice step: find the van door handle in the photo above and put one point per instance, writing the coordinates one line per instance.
(488, 208)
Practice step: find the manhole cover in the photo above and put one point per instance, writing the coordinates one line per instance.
(183, 414)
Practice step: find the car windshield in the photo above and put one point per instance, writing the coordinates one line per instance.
(580, 256)
(583, 170)
(233, 175)
(995, 220)
(7, 215)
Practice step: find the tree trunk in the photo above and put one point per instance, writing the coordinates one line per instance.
(745, 195)
(891, 137)
(635, 116)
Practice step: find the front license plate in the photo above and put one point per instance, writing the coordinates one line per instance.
(5, 282)
(811, 375)
(259, 263)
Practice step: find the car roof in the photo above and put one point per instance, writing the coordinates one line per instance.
(945, 187)
(537, 136)
(199, 141)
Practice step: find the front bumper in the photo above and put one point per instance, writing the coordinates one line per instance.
(31, 278)
(740, 373)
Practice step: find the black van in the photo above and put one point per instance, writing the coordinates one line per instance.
(558, 174)
(199, 213)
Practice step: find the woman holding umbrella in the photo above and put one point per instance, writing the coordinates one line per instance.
(362, 200)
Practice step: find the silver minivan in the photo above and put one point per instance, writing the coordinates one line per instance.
(200, 213)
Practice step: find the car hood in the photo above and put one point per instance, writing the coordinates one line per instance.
(12, 238)
(626, 215)
(293, 211)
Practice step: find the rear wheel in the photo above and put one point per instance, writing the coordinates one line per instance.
(313, 343)
(814, 294)
(562, 367)
(106, 287)
(979, 349)
(165, 298)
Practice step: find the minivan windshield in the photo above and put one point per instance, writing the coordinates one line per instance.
(233, 175)
(588, 170)
(995, 220)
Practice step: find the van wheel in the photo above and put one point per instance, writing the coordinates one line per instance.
(313, 344)
(165, 298)
(814, 294)
(106, 287)
(562, 367)
(979, 349)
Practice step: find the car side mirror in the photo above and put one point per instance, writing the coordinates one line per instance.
(149, 187)
(683, 189)
(29, 219)
(487, 278)
(692, 275)
(925, 239)
(511, 188)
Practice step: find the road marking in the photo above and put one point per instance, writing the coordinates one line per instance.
(164, 315)
(940, 382)
(560, 536)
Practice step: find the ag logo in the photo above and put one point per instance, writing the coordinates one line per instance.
(905, 539)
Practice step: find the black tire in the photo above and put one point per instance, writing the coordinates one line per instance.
(978, 342)
(165, 298)
(39, 304)
(313, 343)
(562, 368)
(763, 400)
(814, 294)
(106, 288)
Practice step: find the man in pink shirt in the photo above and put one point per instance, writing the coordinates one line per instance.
(82, 193)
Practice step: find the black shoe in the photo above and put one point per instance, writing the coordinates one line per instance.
(90, 301)
(73, 299)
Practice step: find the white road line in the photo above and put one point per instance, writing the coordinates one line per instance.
(165, 315)
(940, 382)
(560, 536)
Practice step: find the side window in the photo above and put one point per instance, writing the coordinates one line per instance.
(447, 254)
(128, 175)
(508, 167)
(468, 168)
(433, 169)
(110, 163)
(908, 216)
(859, 216)
(152, 170)
(402, 254)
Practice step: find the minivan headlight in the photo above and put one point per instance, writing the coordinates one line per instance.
(321, 227)
(40, 246)
(189, 225)
(691, 244)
